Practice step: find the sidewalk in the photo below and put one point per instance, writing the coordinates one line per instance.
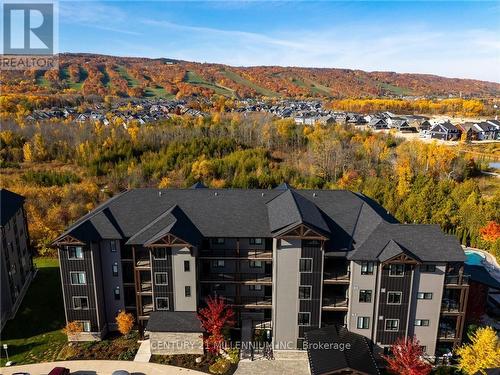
(144, 352)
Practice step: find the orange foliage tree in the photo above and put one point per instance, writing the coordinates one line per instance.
(125, 322)
(73, 328)
(491, 231)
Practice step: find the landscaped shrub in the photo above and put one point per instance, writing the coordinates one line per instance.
(221, 366)
(233, 355)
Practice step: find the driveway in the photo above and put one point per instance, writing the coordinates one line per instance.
(100, 368)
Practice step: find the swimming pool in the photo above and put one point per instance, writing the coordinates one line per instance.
(473, 258)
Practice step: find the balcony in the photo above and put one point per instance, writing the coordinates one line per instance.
(143, 263)
(146, 287)
(235, 254)
(249, 302)
(337, 277)
(446, 334)
(147, 309)
(456, 280)
(335, 303)
(244, 278)
(450, 307)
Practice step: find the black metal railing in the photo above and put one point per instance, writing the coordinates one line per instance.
(335, 301)
(236, 277)
(336, 275)
(248, 300)
(445, 333)
(233, 253)
(450, 306)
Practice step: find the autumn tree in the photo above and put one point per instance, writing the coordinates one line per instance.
(407, 358)
(125, 322)
(72, 329)
(491, 231)
(482, 353)
(214, 318)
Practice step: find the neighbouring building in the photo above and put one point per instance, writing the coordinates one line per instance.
(16, 258)
(289, 262)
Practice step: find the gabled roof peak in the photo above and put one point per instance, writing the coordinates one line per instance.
(283, 186)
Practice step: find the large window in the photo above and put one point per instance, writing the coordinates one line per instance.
(394, 298)
(78, 278)
(305, 265)
(422, 322)
(162, 303)
(305, 292)
(75, 252)
(396, 270)
(424, 295)
(255, 264)
(161, 278)
(80, 303)
(363, 322)
(367, 268)
(391, 324)
(304, 318)
(365, 295)
(219, 263)
(256, 241)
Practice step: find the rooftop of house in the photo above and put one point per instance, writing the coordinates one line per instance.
(10, 203)
(350, 222)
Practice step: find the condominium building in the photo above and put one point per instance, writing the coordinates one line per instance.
(288, 261)
(16, 259)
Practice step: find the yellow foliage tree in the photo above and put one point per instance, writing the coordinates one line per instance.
(73, 328)
(483, 352)
(125, 322)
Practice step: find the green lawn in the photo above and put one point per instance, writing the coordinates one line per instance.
(195, 79)
(35, 333)
(131, 81)
(242, 81)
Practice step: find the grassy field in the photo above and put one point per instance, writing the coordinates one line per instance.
(195, 79)
(35, 334)
(242, 81)
(131, 81)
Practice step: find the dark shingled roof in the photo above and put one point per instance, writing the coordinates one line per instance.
(355, 225)
(324, 358)
(10, 203)
(174, 321)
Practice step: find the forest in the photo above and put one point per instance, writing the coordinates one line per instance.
(88, 74)
(65, 169)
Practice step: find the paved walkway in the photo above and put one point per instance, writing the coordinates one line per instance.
(273, 367)
(100, 368)
(144, 352)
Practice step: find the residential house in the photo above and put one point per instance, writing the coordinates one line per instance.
(445, 131)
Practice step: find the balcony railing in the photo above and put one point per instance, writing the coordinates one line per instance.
(336, 302)
(459, 279)
(450, 306)
(146, 286)
(255, 301)
(336, 276)
(257, 278)
(145, 262)
(233, 253)
(146, 309)
(446, 334)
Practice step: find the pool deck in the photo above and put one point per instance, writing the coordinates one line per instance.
(490, 263)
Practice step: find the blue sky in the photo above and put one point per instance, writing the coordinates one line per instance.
(453, 39)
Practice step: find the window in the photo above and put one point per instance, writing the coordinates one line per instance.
(255, 287)
(394, 298)
(365, 295)
(367, 268)
(305, 265)
(80, 303)
(424, 295)
(160, 253)
(304, 318)
(161, 303)
(187, 291)
(428, 268)
(422, 322)
(218, 241)
(112, 246)
(396, 269)
(114, 269)
(85, 325)
(78, 278)
(75, 252)
(391, 324)
(117, 293)
(218, 263)
(187, 266)
(256, 241)
(363, 322)
(255, 264)
(161, 278)
(305, 292)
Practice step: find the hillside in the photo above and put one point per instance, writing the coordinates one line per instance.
(140, 77)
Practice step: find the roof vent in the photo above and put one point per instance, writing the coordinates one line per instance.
(262, 194)
(216, 193)
(315, 195)
(159, 193)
